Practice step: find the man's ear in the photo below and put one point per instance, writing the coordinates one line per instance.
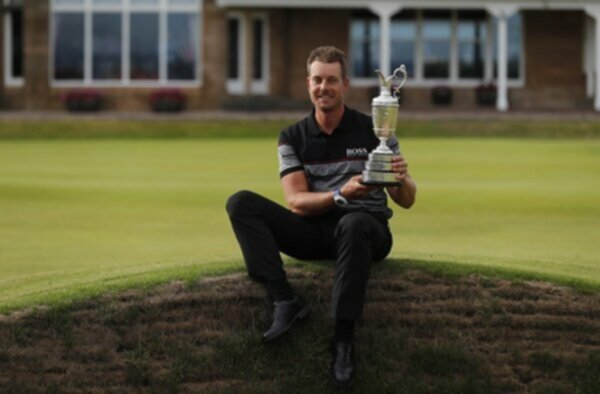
(346, 83)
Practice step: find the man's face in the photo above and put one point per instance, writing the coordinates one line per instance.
(326, 86)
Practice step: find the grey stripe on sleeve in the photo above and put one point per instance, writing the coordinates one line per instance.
(287, 158)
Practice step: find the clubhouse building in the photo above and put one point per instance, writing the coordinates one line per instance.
(250, 54)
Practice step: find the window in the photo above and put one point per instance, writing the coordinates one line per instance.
(68, 46)
(436, 44)
(106, 44)
(234, 31)
(364, 42)
(125, 41)
(247, 32)
(403, 33)
(13, 42)
(456, 47)
(472, 35)
(144, 53)
(260, 56)
(257, 49)
(182, 46)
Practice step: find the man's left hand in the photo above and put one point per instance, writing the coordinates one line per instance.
(400, 167)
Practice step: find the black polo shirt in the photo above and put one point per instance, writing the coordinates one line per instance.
(330, 160)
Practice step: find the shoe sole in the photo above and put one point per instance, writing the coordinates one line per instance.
(299, 316)
(338, 383)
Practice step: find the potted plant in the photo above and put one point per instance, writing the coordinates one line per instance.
(167, 100)
(82, 100)
(486, 94)
(441, 95)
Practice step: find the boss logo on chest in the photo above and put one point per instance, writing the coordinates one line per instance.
(357, 152)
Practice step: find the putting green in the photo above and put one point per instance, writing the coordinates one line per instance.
(85, 215)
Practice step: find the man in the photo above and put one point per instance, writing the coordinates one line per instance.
(331, 215)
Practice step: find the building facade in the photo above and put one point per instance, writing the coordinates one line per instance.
(250, 54)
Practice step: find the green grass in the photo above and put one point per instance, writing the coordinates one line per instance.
(78, 216)
(251, 129)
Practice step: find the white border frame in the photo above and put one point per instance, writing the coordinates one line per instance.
(125, 8)
(9, 79)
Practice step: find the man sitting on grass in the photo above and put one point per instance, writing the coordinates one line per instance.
(332, 214)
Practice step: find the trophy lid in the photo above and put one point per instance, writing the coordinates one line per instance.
(385, 97)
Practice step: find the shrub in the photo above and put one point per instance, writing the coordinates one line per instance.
(167, 100)
(486, 94)
(82, 100)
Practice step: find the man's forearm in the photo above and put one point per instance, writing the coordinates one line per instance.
(404, 195)
(311, 203)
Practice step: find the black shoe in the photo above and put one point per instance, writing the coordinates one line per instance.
(342, 363)
(285, 314)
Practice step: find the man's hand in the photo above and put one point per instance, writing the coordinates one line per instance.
(402, 195)
(400, 167)
(354, 190)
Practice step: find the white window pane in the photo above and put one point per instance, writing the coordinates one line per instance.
(357, 29)
(364, 47)
(257, 45)
(182, 46)
(108, 2)
(403, 52)
(401, 30)
(144, 2)
(436, 30)
(16, 55)
(183, 2)
(471, 55)
(68, 45)
(436, 59)
(68, 2)
(144, 46)
(233, 70)
(106, 60)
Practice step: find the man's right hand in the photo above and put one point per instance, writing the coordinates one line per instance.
(354, 190)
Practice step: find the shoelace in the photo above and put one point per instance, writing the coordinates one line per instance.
(344, 351)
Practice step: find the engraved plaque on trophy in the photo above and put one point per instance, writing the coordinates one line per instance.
(378, 169)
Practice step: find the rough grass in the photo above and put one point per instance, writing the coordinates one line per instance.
(98, 128)
(422, 333)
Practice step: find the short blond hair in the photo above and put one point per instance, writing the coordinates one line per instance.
(328, 54)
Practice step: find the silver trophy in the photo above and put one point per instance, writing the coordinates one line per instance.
(385, 114)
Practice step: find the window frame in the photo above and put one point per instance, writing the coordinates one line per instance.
(126, 8)
(261, 86)
(453, 80)
(10, 80)
(237, 85)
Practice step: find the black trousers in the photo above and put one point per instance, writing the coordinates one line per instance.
(264, 229)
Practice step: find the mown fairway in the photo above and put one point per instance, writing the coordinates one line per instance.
(79, 216)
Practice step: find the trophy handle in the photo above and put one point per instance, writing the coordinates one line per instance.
(401, 69)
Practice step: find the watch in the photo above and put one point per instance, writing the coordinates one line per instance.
(338, 199)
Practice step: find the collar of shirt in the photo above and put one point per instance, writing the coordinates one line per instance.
(345, 123)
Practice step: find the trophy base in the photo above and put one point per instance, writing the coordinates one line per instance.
(374, 178)
(378, 170)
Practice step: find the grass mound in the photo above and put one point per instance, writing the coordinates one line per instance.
(421, 333)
